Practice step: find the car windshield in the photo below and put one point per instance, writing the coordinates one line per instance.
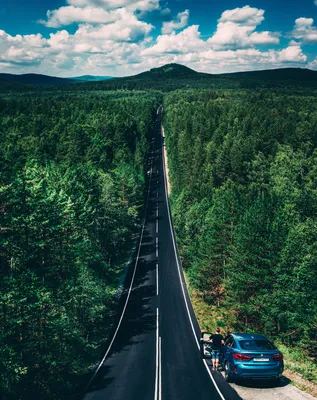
(256, 345)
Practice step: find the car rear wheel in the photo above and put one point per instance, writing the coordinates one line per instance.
(228, 374)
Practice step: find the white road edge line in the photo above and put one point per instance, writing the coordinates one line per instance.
(179, 273)
(160, 369)
(129, 293)
(157, 356)
(157, 280)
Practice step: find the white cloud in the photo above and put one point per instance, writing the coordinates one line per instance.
(112, 39)
(313, 64)
(134, 5)
(304, 30)
(21, 50)
(243, 16)
(70, 14)
(185, 41)
(236, 29)
(264, 38)
(127, 28)
(292, 54)
(97, 11)
(179, 23)
(254, 57)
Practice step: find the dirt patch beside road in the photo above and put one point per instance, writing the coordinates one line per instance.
(268, 391)
(301, 383)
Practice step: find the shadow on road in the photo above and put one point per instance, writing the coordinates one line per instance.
(263, 384)
(139, 318)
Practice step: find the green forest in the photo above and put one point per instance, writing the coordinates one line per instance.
(71, 194)
(242, 157)
(243, 170)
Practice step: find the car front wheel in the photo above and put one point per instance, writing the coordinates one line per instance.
(228, 374)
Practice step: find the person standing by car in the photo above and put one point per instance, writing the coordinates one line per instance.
(217, 341)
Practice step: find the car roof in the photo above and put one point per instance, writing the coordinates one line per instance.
(248, 336)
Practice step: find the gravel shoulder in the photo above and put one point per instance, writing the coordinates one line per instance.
(268, 391)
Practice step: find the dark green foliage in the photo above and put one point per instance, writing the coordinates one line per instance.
(243, 173)
(71, 193)
(174, 76)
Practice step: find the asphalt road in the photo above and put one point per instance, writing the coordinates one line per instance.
(155, 353)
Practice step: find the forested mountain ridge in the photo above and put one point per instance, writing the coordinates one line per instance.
(244, 195)
(34, 79)
(71, 194)
(39, 79)
(280, 74)
(171, 77)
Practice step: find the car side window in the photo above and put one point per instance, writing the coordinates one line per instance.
(229, 342)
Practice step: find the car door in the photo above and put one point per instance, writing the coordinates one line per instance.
(228, 349)
(205, 348)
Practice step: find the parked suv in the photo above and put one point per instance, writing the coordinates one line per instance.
(251, 356)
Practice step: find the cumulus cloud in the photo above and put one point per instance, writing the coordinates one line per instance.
(180, 23)
(21, 50)
(292, 54)
(305, 30)
(113, 37)
(185, 41)
(252, 57)
(236, 29)
(100, 11)
(127, 28)
(140, 5)
(70, 14)
(313, 64)
(243, 16)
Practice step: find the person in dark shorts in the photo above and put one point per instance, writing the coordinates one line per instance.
(217, 341)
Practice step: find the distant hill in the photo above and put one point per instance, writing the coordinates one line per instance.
(166, 78)
(34, 79)
(175, 76)
(175, 71)
(90, 78)
(281, 74)
(38, 79)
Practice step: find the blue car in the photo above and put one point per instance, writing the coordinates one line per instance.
(251, 356)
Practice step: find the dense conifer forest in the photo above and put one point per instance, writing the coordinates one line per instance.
(243, 167)
(244, 195)
(71, 194)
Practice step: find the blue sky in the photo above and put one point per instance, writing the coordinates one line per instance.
(124, 37)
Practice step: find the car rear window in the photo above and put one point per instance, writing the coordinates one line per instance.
(256, 345)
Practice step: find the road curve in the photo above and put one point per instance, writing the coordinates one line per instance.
(155, 354)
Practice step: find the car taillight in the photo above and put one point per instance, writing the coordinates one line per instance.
(277, 357)
(241, 357)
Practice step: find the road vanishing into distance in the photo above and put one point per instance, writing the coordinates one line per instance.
(155, 351)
